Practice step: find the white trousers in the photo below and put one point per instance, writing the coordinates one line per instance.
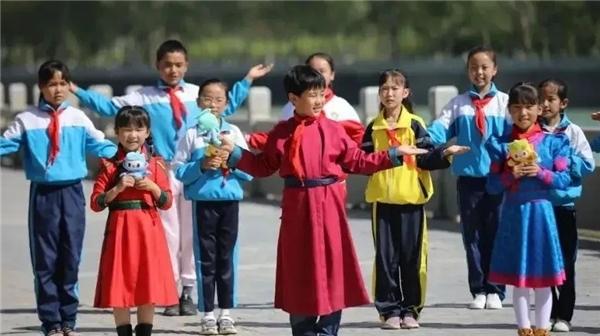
(177, 222)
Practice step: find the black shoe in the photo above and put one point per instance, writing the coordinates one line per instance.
(172, 310)
(143, 329)
(186, 305)
(125, 330)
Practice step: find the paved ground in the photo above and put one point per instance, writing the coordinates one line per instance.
(447, 297)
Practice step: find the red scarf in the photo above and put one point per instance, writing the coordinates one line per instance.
(176, 105)
(394, 142)
(479, 104)
(54, 134)
(294, 149)
(518, 133)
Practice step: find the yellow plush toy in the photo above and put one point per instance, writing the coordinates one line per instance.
(521, 151)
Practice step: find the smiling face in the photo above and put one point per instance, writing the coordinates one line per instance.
(309, 103)
(55, 90)
(524, 115)
(172, 67)
(213, 97)
(132, 137)
(481, 69)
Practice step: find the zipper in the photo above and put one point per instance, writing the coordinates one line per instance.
(422, 188)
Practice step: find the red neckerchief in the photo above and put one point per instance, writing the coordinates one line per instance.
(176, 105)
(54, 132)
(479, 104)
(294, 149)
(532, 132)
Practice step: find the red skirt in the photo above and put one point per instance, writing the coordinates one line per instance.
(135, 268)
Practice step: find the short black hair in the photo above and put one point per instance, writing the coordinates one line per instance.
(562, 86)
(302, 78)
(132, 115)
(49, 68)
(523, 93)
(170, 46)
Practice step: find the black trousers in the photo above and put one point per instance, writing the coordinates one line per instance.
(325, 325)
(479, 217)
(217, 230)
(563, 297)
(400, 236)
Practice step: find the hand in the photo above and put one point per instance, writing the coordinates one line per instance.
(72, 87)
(596, 116)
(530, 170)
(455, 150)
(226, 144)
(125, 182)
(409, 150)
(258, 71)
(212, 162)
(145, 184)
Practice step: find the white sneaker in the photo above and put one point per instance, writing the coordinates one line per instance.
(478, 302)
(561, 326)
(493, 302)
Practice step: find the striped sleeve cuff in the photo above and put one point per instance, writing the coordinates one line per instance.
(162, 199)
(393, 154)
(101, 201)
(235, 156)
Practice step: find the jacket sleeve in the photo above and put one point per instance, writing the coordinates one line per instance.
(582, 158)
(95, 142)
(434, 158)
(104, 181)
(500, 177)
(104, 106)
(559, 176)
(262, 164)
(236, 96)
(367, 144)
(240, 141)
(12, 139)
(187, 170)
(165, 200)
(357, 161)
(443, 128)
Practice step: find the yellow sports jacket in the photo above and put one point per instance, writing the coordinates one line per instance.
(409, 183)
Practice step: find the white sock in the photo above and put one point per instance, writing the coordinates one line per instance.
(521, 306)
(543, 307)
(225, 312)
(209, 315)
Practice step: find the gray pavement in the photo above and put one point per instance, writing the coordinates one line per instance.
(447, 298)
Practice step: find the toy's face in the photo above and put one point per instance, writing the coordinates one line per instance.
(134, 162)
(519, 150)
(207, 121)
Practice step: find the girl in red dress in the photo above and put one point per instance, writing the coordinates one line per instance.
(135, 270)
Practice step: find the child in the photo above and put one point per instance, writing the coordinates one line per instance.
(399, 227)
(215, 194)
(473, 117)
(553, 98)
(55, 138)
(171, 104)
(317, 269)
(335, 107)
(526, 251)
(135, 269)
(595, 144)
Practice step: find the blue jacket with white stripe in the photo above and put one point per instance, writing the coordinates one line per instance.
(78, 136)
(457, 120)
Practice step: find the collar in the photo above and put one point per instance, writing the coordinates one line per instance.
(162, 85)
(46, 107)
(404, 120)
(530, 135)
(473, 92)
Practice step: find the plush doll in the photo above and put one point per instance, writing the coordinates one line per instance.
(521, 152)
(135, 165)
(208, 128)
